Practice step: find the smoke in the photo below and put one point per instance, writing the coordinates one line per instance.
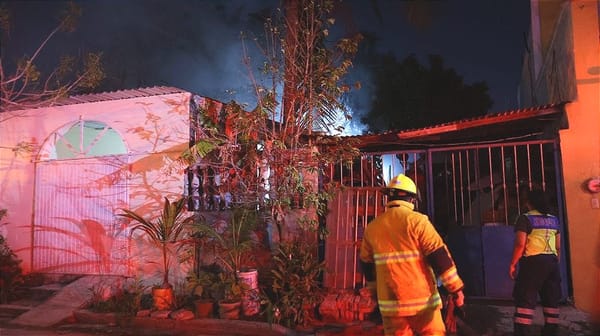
(193, 45)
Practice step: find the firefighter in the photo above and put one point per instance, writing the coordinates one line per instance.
(536, 250)
(401, 254)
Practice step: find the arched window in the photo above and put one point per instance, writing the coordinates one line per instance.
(83, 139)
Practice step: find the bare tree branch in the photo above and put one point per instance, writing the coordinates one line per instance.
(24, 88)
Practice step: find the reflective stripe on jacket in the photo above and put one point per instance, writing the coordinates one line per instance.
(398, 242)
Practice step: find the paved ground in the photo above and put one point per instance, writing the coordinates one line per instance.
(483, 319)
(52, 316)
(104, 330)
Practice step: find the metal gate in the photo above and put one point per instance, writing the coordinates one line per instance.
(349, 213)
(471, 194)
(357, 204)
(76, 230)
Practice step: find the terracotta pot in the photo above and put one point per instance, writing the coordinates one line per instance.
(163, 298)
(204, 308)
(229, 310)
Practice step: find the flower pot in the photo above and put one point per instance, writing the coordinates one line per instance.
(204, 308)
(250, 297)
(229, 310)
(163, 298)
(249, 278)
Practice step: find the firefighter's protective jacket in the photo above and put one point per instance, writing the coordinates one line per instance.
(399, 242)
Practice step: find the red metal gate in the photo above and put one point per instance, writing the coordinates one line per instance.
(350, 212)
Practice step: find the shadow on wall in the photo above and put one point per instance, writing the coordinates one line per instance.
(97, 249)
(76, 230)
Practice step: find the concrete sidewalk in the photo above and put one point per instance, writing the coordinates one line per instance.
(61, 305)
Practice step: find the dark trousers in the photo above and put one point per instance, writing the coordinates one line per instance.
(538, 275)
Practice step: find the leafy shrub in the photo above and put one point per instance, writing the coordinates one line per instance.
(126, 301)
(295, 288)
(205, 283)
(11, 274)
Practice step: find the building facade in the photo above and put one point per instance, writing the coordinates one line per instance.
(562, 63)
(67, 170)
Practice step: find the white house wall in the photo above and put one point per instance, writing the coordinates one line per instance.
(155, 130)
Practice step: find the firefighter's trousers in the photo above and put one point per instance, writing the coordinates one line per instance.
(427, 323)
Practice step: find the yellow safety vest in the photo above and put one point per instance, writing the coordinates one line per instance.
(542, 238)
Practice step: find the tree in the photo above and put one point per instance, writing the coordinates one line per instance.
(265, 157)
(409, 95)
(23, 85)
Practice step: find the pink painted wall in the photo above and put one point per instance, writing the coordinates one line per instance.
(155, 130)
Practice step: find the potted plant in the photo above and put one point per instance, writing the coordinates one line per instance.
(230, 298)
(233, 247)
(164, 232)
(205, 285)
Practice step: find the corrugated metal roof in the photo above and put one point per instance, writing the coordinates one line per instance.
(481, 120)
(107, 96)
(488, 119)
(532, 117)
(120, 94)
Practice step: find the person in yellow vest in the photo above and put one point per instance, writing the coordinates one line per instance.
(401, 253)
(536, 250)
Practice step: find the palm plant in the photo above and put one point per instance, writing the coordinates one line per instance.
(235, 243)
(164, 232)
(233, 247)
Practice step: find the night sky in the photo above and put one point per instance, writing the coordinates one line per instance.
(195, 44)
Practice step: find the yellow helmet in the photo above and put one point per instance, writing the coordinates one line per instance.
(404, 183)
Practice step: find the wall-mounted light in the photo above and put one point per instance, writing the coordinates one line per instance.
(593, 185)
